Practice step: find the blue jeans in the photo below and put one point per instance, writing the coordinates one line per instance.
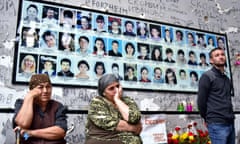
(221, 133)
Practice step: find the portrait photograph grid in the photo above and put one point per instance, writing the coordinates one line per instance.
(76, 46)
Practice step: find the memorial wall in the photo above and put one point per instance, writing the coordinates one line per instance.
(216, 16)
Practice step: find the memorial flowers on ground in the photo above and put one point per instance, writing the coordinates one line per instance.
(192, 135)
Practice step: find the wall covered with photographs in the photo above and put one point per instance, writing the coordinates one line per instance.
(218, 16)
(77, 46)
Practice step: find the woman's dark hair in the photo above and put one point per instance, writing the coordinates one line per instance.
(129, 44)
(181, 33)
(195, 74)
(153, 54)
(169, 70)
(191, 34)
(98, 63)
(200, 35)
(83, 62)
(212, 40)
(99, 39)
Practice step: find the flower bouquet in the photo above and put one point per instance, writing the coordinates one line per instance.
(192, 135)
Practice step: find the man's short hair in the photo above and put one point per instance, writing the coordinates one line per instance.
(66, 60)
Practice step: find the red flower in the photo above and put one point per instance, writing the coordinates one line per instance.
(170, 141)
(177, 128)
(169, 135)
(195, 124)
(175, 141)
(190, 134)
(189, 126)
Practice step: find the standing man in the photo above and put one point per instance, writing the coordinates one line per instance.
(214, 100)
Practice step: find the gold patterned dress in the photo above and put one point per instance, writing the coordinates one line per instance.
(103, 119)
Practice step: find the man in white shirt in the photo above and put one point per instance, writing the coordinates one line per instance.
(50, 20)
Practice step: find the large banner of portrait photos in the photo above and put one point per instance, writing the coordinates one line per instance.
(76, 46)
